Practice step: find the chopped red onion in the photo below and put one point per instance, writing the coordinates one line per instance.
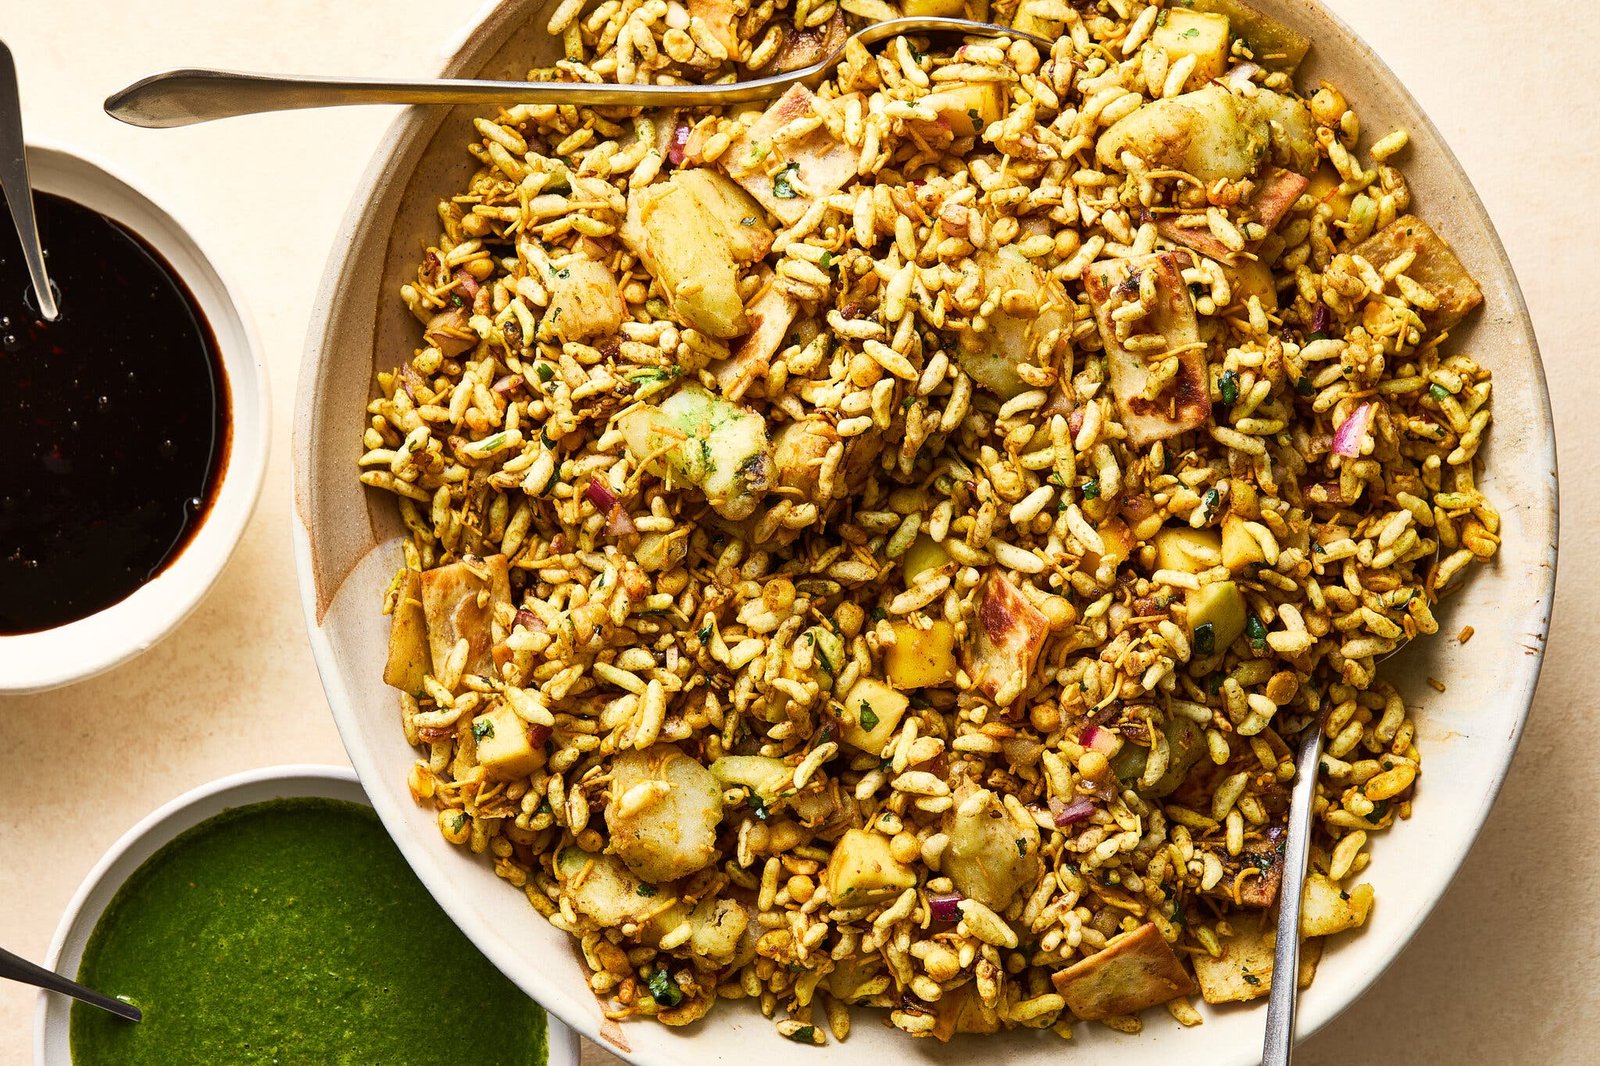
(1347, 438)
(507, 385)
(680, 140)
(1241, 75)
(530, 621)
(946, 906)
(1066, 814)
(1321, 318)
(538, 734)
(469, 284)
(600, 494)
(618, 522)
(1092, 731)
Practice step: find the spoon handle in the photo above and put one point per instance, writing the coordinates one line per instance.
(185, 97)
(15, 186)
(1279, 1044)
(16, 968)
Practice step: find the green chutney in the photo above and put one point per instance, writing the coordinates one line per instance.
(293, 932)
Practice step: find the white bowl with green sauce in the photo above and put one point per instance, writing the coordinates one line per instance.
(267, 917)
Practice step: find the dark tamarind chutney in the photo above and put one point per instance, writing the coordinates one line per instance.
(114, 427)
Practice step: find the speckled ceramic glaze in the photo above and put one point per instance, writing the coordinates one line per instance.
(346, 544)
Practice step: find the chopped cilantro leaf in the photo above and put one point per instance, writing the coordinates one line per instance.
(1091, 489)
(806, 1034)
(1228, 387)
(1205, 638)
(869, 717)
(646, 890)
(1439, 392)
(782, 188)
(483, 729)
(664, 989)
(1256, 632)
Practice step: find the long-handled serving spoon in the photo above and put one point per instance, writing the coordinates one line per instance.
(1278, 1046)
(15, 187)
(184, 97)
(17, 968)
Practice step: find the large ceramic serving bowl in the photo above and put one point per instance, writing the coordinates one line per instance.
(347, 550)
(51, 1029)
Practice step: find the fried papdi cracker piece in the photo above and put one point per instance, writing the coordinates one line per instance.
(1134, 971)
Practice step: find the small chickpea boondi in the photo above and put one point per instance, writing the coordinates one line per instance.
(868, 549)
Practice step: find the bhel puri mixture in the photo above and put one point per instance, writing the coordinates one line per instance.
(869, 549)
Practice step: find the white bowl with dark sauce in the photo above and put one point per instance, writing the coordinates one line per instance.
(134, 429)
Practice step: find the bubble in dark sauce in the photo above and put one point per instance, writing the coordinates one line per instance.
(114, 427)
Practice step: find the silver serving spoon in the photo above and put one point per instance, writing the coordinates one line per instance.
(16, 188)
(1278, 1045)
(1282, 999)
(184, 97)
(17, 968)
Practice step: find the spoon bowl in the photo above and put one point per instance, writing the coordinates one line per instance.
(18, 190)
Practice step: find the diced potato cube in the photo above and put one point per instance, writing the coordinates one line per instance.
(1193, 551)
(1240, 550)
(787, 172)
(718, 446)
(450, 596)
(1328, 909)
(505, 748)
(1149, 408)
(1213, 133)
(1032, 18)
(1003, 648)
(1013, 338)
(1435, 268)
(1204, 35)
(872, 713)
(966, 110)
(409, 659)
(608, 892)
(921, 657)
(1276, 46)
(585, 301)
(862, 870)
(992, 854)
(663, 813)
(692, 232)
(1118, 541)
(1252, 277)
(1134, 971)
(1326, 187)
(1220, 606)
(1202, 132)
(924, 554)
(948, 9)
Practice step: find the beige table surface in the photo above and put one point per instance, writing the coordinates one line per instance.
(1506, 971)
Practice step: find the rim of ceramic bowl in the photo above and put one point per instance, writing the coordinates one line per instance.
(154, 831)
(78, 650)
(1316, 1009)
